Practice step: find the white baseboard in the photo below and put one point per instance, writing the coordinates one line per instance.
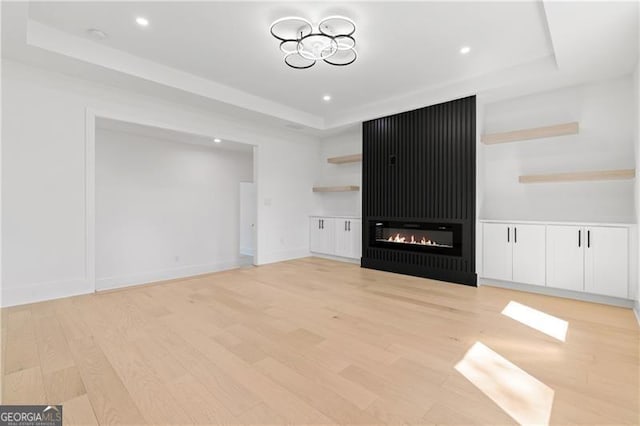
(557, 292)
(281, 255)
(110, 283)
(39, 292)
(338, 258)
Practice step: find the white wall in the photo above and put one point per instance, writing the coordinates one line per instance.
(605, 141)
(605, 113)
(340, 203)
(44, 222)
(164, 209)
(636, 93)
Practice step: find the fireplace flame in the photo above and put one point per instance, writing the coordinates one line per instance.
(398, 239)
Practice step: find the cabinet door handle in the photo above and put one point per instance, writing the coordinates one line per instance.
(589, 239)
(321, 223)
(349, 226)
(508, 233)
(515, 234)
(579, 238)
(345, 225)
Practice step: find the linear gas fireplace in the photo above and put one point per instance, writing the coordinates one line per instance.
(419, 192)
(427, 237)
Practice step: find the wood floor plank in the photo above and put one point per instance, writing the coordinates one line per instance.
(162, 363)
(396, 411)
(457, 389)
(72, 320)
(21, 350)
(24, 387)
(283, 401)
(305, 362)
(109, 398)
(203, 407)
(151, 395)
(442, 415)
(324, 399)
(389, 390)
(261, 414)
(62, 385)
(78, 411)
(3, 344)
(314, 341)
(236, 397)
(52, 345)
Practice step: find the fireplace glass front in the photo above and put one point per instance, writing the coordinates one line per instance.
(437, 238)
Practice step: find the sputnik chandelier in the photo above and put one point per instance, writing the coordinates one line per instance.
(332, 41)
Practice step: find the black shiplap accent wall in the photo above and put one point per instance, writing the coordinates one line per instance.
(433, 179)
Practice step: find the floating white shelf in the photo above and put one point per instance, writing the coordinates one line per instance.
(353, 158)
(534, 133)
(347, 188)
(579, 176)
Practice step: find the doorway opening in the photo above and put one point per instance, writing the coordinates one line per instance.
(167, 204)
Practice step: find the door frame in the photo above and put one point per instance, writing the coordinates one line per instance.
(254, 229)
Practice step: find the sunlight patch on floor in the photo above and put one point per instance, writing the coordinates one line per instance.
(523, 397)
(543, 322)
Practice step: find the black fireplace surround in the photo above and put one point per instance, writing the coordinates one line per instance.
(418, 192)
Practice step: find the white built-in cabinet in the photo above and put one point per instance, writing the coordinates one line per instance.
(337, 236)
(592, 259)
(514, 252)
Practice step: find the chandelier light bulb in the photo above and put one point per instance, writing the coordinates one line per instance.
(303, 43)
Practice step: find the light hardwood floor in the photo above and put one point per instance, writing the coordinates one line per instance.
(316, 341)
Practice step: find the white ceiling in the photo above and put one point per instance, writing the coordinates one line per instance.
(408, 51)
(401, 48)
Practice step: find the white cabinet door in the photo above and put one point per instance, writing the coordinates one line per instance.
(606, 261)
(315, 234)
(321, 235)
(328, 238)
(529, 254)
(348, 238)
(343, 238)
(565, 257)
(355, 231)
(497, 251)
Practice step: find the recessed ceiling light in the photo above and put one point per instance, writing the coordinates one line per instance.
(465, 49)
(326, 98)
(96, 34)
(143, 22)
(217, 140)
